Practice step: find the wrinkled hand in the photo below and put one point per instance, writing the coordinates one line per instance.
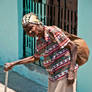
(8, 66)
(71, 77)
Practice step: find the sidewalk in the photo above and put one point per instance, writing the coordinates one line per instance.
(2, 88)
(19, 84)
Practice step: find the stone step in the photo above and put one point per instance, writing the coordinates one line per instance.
(18, 83)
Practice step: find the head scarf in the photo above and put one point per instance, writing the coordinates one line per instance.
(30, 18)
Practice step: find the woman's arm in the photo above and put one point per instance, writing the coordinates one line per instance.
(9, 66)
(73, 53)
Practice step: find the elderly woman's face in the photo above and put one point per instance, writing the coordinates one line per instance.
(32, 30)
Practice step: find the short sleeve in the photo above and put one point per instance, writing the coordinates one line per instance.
(59, 36)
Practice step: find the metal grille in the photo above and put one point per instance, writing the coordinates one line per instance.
(62, 13)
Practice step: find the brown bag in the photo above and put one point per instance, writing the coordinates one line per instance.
(83, 50)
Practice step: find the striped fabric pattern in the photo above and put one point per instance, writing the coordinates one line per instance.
(57, 58)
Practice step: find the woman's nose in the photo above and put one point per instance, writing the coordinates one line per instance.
(34, 28)
(30, 32)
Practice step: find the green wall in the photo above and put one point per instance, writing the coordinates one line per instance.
(11, 39)
(85, 31)
(20, 28)
(8, 31)
(11, 34)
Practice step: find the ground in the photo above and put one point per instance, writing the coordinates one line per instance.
(18, 83)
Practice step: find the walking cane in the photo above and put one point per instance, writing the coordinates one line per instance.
(6, 81)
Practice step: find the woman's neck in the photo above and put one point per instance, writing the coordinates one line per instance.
(41, 31)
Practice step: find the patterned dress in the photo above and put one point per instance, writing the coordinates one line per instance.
(56, 58)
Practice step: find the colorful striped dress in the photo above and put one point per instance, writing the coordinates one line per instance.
(56, 58)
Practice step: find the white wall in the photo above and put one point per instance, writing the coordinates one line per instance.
(85, 31)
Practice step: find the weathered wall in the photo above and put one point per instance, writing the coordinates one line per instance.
(11, 39)
(85, 31)
(8, 31)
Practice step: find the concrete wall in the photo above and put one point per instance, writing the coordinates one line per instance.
(11, 39)
(20, 28)
(8, 31)
(85, 31)
(11, 34)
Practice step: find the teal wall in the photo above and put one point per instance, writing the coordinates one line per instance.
(20, 28)
(11, 36)
(85, 31)
(11, 39)
(8, 31)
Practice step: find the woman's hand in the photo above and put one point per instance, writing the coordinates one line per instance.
(71, 75)
(71, 78)
(8, 66)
